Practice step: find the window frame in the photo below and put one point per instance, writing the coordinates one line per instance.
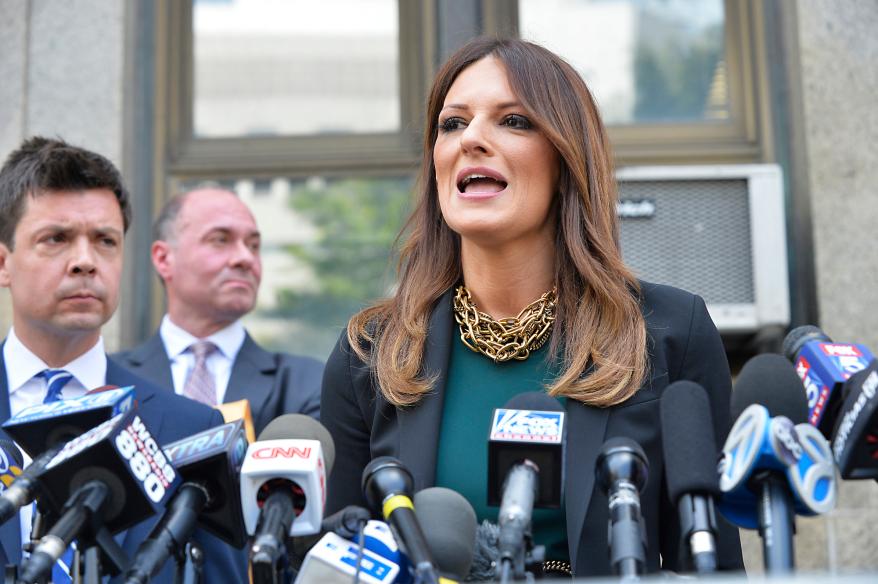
(745, 137)
(187, 156)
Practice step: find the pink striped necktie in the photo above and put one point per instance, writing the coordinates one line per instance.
(200, 384)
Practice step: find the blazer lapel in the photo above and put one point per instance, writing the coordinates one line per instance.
(10, 532)
(153, 359)
(586, 428)
(118, 375)
(419, 425)
(252, 376)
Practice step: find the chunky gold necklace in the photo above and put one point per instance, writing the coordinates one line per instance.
(508, 338)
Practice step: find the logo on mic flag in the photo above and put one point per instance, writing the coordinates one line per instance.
(527, 426)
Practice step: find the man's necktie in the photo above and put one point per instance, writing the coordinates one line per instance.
(200, 384)
(56, 379)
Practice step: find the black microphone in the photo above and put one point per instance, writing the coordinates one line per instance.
(452, 529)
(855, 433)
(209, 463)
(622, 471)
(104, 481)
(283, 489)
(346, 522)
(526, 453)
(690, 455)
(387, 487)
(768, 380)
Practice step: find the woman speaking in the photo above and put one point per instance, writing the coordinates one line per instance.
(510, 280)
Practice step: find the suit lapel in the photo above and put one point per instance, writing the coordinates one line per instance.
(585, 434)
(10, 532)
(118, 375)
(153, 359)
(419, 425)
(252, 376)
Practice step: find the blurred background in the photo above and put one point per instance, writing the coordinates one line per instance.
(744, 131)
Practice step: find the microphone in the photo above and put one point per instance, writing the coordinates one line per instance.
(526, 451)
(11, 462)
(283, 488)
(854, 437)
(335, 560)
(208, 463)
(104, 481)
(41, 426)
(622, 471)
(23, 490)
(452, 523)
(690, 456)
(387, 487)
(823, 366)
(770, 465)
(346, 522)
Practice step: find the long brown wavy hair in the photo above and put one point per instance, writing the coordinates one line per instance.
(598, 323)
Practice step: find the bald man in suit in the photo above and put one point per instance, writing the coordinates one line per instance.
(207, 254)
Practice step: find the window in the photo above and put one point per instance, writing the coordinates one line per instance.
(676, 80)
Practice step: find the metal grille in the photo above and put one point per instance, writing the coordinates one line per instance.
(698, 238)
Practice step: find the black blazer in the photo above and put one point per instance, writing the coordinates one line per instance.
(683, 344)
(273, 383)
(169, 418)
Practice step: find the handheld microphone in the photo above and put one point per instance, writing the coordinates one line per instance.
(452, 536)
(283, 488)
(772, 467)
(239, 410)
(208, 463)
(23, 490)
(526, 452)
(107, 479)
(387, 487)
(690, 455)
(11, 463)
(622, 471)
(42, 426)
(823, 366)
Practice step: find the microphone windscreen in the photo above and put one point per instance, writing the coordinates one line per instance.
(771, 381)
(800, 335)
(301, 427)
(9, 447)
(533, 400)
(450, 522)
(688, 440)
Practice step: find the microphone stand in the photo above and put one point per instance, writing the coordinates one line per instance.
(776, 524)
(193, 563)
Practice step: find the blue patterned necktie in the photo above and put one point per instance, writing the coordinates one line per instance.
(56, 379)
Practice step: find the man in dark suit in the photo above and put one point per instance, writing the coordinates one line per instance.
(206, 251)
(63, 216)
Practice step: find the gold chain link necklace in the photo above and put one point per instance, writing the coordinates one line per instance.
(508, 338)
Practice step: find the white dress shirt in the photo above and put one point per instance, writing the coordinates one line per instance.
(89, 371)
(177, 342)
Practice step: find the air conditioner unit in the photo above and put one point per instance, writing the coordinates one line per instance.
(718, 231)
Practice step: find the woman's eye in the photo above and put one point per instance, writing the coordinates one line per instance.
(517, 122)
(451, 124)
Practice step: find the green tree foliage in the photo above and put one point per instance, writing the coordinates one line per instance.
(357, 221)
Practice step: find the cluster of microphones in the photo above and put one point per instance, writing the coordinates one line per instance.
(96, 470)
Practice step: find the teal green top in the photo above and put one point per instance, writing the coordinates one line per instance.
(475, 387)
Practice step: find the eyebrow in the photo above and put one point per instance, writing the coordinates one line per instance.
(499, 106)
